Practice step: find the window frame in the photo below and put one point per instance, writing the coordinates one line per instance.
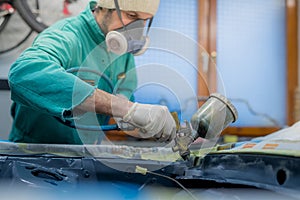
(207, 81)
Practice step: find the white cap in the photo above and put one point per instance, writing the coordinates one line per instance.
(146, 6)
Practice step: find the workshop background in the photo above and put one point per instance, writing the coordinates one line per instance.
(250, 53)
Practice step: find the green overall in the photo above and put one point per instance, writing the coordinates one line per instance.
(43, 88)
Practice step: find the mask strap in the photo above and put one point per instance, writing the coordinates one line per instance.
(119, 13)
(149, 25)
(120, 17)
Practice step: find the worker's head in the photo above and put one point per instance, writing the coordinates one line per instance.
(125, 15)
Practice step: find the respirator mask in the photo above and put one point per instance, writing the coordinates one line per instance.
(129, 38)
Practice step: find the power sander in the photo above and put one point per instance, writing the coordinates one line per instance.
(207, 123)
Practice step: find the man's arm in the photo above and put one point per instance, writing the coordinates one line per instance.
(102, 102)
(152, 120)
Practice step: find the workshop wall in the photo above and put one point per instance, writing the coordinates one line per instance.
(252, 59)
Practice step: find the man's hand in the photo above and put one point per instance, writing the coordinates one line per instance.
(152, 120)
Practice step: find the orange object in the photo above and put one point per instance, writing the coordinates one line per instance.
(249, 145)
(270, 146)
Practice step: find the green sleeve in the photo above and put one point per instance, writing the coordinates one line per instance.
(38, 78)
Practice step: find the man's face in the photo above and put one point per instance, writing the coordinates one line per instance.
(111, 21)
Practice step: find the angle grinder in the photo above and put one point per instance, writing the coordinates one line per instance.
(207, 123)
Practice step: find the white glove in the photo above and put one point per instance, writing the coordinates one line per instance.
(153, 121)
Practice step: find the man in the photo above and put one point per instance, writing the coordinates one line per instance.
(46, 96)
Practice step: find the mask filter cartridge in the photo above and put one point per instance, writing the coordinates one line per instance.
(129, 39)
